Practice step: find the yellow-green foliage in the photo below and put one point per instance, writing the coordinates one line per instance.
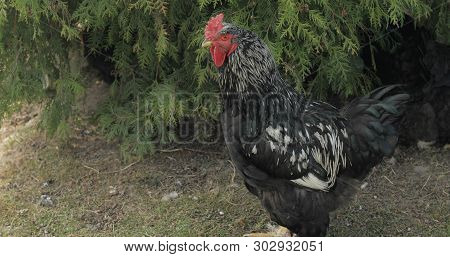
(155, 51)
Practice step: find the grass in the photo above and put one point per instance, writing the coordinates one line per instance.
(95, 194)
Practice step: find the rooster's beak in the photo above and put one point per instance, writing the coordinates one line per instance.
(206, 43)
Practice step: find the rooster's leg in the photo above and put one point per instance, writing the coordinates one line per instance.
(279, 232)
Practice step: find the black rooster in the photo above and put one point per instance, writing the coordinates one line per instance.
(298, 157)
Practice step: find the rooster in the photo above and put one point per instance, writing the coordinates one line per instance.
(299, 157)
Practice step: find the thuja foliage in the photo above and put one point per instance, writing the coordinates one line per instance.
(154, 47)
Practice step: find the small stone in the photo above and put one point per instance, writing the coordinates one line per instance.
(409, 229)
(113, 190)
(195, 198)
(169, 196)
(178, 183)
(375, 197)
(221, 213)
(360, 208)
(364, 185)
(46, 201)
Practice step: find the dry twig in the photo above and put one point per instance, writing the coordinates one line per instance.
(90, 168)
(425, 183)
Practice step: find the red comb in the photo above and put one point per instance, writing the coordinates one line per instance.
(214, 25)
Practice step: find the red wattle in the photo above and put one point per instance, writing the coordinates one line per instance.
(218, 56)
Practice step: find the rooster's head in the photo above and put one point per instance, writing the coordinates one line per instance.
(244, 61)
(221, 39)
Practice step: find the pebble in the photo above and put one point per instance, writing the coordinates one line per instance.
(364, 185)
(113, 190)
(46, 201)
(221, 213)
(169, 196)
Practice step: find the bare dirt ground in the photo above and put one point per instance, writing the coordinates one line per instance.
(83, 189)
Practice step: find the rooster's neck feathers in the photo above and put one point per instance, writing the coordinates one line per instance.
(251, 69)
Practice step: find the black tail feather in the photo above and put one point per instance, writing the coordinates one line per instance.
(372, 121)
